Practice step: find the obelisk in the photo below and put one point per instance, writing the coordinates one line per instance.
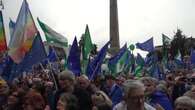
(114, 28)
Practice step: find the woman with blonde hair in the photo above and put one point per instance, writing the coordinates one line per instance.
(101, 101)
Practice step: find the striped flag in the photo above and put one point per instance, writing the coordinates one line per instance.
(3, 44)
(52, 36)
(116, 63)
(23, 34)
(94, 66)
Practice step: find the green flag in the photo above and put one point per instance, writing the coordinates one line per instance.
(166, 42)
(52, 36)
(121, 64)
(87, 46)
(86, 49)
(138, 71)
(140, 64)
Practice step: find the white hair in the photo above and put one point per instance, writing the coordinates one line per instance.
(186, 101)
(66, 75)
(149, 79)
(130, 85)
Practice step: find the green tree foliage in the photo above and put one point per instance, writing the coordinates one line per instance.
(178, 43)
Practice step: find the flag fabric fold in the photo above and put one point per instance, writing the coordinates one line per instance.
(87, 46)
(33, 57)
(146, 46)
(94, 66)
(86, 49)
(3, 44)
(12, 25)
(178, 59)
(74, 59)
(52, 56)
(166, 40)
(6, 67)
(116, 63)
(140, 60)
(140, 64)
(192, 56)
(129, 63)
(23, 34)
(52, 36)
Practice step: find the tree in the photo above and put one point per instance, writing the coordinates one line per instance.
(178, 44)
(189, 44)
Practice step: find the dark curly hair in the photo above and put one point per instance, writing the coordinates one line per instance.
(71, 100)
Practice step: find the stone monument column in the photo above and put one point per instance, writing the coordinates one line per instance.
(114, 28)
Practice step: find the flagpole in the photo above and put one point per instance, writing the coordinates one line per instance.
(45, 71)
(52, 75)
(94, 71)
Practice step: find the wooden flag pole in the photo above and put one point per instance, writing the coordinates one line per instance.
(52, 75)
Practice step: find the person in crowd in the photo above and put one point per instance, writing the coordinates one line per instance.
(100, 83)
(120, 80)
(100, 99)
(191, 93)
(38, 85)
(133, 97)
(114, 90)
(102, 106)
(15, 99)
(179, 87)
(84, 83)
(170, 80)
(33, 101)
(4, 90)
(67, 85)
(184, 103)
(67, 101)
(156, 96)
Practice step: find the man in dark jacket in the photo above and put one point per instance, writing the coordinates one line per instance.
(67, 85)
(154, 96)
(114, 90)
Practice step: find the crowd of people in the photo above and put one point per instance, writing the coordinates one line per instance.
(43, 90)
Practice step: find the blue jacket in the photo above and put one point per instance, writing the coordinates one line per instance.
(116, 94)
(161, 98)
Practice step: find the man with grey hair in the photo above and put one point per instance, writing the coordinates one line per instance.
(156, 96)
(67, 83)
(133, 97)
(184, 103)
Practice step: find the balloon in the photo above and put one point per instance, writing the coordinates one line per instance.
(132, 47)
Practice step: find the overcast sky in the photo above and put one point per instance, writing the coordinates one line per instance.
(138, 19)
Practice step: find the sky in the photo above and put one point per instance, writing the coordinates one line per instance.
(139, 20)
